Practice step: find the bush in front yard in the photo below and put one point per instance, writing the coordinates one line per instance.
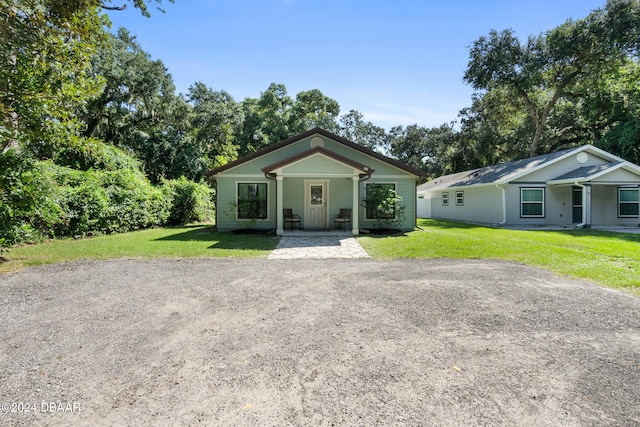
(189, 201)
(106, 201)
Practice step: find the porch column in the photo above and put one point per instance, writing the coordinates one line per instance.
(279, 204)
(586, 206)
(355, 227)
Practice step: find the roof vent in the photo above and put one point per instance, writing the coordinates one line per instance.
(582, 157)
(316, 142)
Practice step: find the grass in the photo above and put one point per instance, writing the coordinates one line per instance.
(612, 259)
(174, 242)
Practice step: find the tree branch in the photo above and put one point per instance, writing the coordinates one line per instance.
(104, 6)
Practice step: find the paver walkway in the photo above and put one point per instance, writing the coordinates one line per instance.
(318, 247)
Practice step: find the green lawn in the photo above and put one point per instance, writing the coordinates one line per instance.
(612, 259)
(608, 258)
(173, 242)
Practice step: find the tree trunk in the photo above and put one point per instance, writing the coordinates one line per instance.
(533, 148)
(541, 120)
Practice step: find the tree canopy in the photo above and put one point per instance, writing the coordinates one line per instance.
(537, 75)
(80, 103)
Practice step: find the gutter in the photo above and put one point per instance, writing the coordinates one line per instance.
(365, 176)
(272, 177)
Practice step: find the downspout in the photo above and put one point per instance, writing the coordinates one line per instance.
(365, 176)
(272, 176)
(362, 178)
(584, 204)
(503, 187)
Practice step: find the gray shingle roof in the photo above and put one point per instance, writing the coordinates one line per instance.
(492, 174)
(585, 172)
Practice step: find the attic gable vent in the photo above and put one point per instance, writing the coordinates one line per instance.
(316, 142)
(582, 157)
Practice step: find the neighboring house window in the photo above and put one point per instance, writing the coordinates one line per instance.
(445, 199)
(532, 202)
(628, 202)
(459, 198)
(252, 200)
(370, 189)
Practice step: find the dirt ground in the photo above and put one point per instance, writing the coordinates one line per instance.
(317, 342)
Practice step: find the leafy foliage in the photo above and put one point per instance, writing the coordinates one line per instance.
(42, 199)
(539, 74)
(28, 207)
(94, 139)
(189, 201)
(385, 205)
(138, 109)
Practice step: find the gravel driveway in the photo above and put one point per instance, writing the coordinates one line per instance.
(314, 342)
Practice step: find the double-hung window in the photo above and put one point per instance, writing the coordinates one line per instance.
(532, 202)
(459, 198)
(252, 200)
(628, 202)
(445, 199)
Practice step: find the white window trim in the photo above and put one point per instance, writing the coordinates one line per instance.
(619, 202)
(444, 198)
(395, 188)
(542, 203)
(235, 200)
(460, 200)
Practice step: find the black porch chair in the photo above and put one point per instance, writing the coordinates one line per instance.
(344, 217)
(290, 218)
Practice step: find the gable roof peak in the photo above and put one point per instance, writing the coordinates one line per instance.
(326, 134)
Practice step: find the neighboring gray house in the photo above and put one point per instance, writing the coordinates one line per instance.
(583, 186)
(315, 174)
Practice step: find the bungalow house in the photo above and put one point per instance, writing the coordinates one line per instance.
(316, 175)
(582, 187)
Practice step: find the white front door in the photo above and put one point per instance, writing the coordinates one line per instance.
(315, 211)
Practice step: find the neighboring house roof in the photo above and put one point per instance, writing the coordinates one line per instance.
(307, 134)
(590, 173)
(507, 172)
(585, 172)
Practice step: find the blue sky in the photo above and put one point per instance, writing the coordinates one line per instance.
(398, 62)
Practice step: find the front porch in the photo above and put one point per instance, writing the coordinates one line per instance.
(316, 185)
(317, 233)
(597, 204)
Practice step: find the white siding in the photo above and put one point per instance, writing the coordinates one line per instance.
(604, 208)
(481, 204)
(558, 205)
(562, 167)
(423, 207)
